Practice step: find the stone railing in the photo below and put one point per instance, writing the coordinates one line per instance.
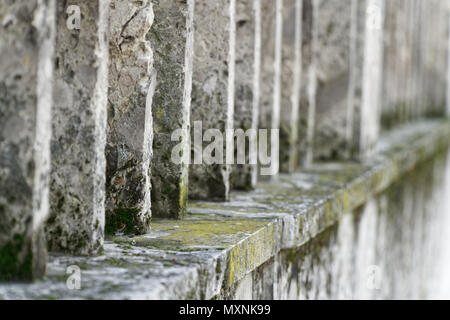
(100, 98)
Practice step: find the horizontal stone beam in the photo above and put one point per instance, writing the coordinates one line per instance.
(172, 40)
(214, 250)
(26, 61)
(77, 214)
(132, 82)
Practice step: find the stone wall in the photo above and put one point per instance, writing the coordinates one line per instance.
(120, 122)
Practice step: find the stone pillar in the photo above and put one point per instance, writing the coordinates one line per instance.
(130, 128)
(366, 71)
(172, 40)
(26, 70)
(77, 214)
(332, 80)
(248, 66)
(271, 69)
(448, 67)
(212, 97)
(291, 84)
(312, 82)
(372, 77)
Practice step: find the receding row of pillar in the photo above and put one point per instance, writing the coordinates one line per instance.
(92, 91)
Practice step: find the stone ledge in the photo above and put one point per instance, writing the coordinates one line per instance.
(219, 243)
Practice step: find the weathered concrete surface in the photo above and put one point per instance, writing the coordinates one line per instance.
(130, 128)
(414, 55)
(366, 75)
(213, 92)
(271, 64)
(172, 39)
(372, 78)
(221, 249)
(333, 64)
(77, 216)
(291, 74)
(392, 248)
(310, 43)
(248, 70)
(27, 31)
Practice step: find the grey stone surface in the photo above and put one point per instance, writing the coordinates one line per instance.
(77, 215)
(414, 55)
(366, 74)
(334, 21)
(213, 91)
(130, 127)
(372, 78)
(271, 64)
(27, 31)
(172, 39)
(310, 38)
(291, 85)
(248, 66)
(356, 58)
(251, 247)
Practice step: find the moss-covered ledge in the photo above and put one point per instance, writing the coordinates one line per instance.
(219, 243)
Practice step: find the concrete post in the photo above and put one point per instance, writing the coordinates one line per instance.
(291, 85)
(77, 217)
(130, 127)
(212, 98)
(172, 40)
(372, 77)
(271, 69)
(333, 21)
(248, 70)
(311, 90)
(26, 70)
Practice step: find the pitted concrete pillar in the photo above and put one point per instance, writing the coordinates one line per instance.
(332, 80)
(312, 37)
(212, 97)
(172, 39)
(130, 129)
(436, 57)
(248, 66)
(26, 70)
(371, 77)
(291, 84)
(271, 67)
(77, 215)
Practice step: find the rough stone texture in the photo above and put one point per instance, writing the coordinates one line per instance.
(130, 128)
(213, 90)
(271, 46)
(366, 74)
(77, 216)
(392, 248)
(26, 51)
(356, 57)
(172, 39)
(310, 44)
(332, 79)
(248, 64)
(435, 57)
(248, 247)
(372, 78)
(414, 55)
(291, 84)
